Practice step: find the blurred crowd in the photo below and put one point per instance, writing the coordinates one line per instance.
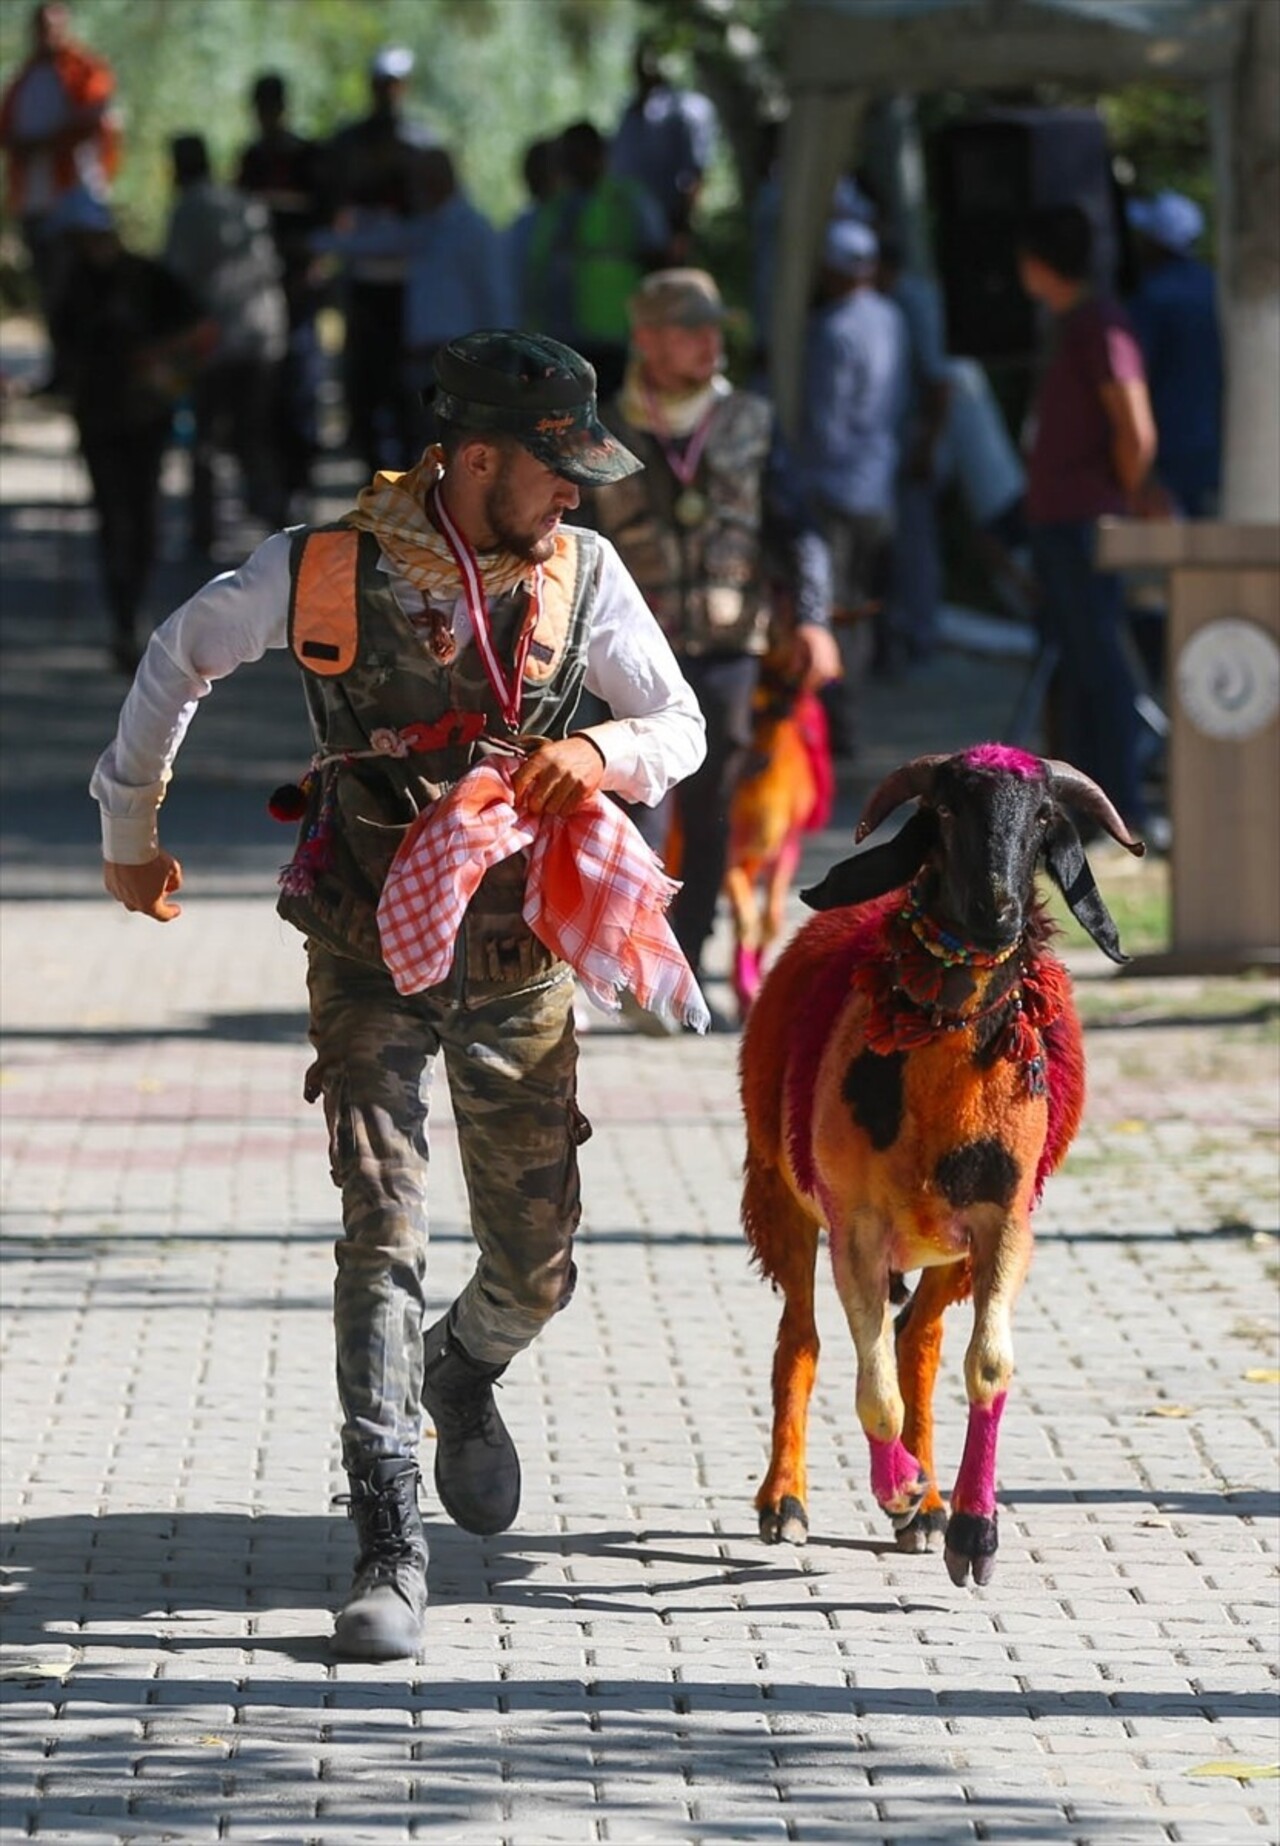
(219, 335)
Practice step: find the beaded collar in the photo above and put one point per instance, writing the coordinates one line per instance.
(951, 951)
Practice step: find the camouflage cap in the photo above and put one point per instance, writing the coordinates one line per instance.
(677, 298)
(534, 388)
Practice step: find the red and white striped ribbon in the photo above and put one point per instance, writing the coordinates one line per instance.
(685, 466)
(508, 694)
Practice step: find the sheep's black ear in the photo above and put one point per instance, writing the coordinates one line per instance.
(1065, 860)
(876, 869)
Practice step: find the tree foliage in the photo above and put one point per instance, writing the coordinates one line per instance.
(1161, 135)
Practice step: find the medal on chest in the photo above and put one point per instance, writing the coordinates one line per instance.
(690, 508)
(436, 628)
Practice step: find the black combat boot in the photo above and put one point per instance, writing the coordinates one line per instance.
(383, 1616)
(477, 1468)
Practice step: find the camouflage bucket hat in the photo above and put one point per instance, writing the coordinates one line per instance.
(535, 389)
(677, 298)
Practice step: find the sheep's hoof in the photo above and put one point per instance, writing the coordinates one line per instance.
(905, 1505)
(787, 1523)
(921, 1531)
(970, 1545)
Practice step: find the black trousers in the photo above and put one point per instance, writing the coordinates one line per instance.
(380, 418)
(724, 686)
(124, 472)
(235, 402)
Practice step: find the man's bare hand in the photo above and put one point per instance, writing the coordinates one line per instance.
(146, 888)
(558, 777)
(815, 658)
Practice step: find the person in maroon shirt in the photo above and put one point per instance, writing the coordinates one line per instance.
(1091, 455)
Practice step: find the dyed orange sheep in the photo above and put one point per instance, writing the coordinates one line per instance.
(911, 1073)
(785, 792)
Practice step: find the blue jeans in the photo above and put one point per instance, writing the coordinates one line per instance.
(915, 581)
(1082, 614)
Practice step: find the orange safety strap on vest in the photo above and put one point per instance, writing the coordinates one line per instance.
(324, 615)
(559, 583)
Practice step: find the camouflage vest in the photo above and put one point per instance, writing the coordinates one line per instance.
(366, 668)
(705, 583)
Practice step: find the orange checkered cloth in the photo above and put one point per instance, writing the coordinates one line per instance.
(595, 894)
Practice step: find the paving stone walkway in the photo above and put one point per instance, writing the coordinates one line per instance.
(629, 1664)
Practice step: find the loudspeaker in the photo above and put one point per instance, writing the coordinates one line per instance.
(987, 176)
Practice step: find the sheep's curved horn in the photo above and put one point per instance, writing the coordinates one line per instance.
(914, 778)
(1070, 785)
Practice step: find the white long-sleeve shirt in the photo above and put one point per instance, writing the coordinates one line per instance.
(656, 738)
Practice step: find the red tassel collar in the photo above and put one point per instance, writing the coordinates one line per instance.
(924, 984)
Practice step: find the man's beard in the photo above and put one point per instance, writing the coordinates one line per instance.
(693, 378)
(536, 547)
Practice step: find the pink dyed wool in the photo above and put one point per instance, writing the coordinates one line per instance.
(1004, 758)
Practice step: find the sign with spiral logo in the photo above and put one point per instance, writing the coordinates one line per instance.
(1228, 679)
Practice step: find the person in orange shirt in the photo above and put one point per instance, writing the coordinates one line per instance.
(59, 140)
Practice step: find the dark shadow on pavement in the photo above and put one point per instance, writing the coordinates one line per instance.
(1237, 1502)
(1261, 1015)
(164, 1584)
(254, 1028)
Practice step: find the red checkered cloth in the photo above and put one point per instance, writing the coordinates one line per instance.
(595, 894)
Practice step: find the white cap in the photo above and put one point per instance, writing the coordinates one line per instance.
(851, 247)
(1170, 219)
(394, 61)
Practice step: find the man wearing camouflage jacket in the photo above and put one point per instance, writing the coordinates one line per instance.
(710, 529)
(450, 615)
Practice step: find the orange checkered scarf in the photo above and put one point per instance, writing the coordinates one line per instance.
(394, 508)
(594, 894)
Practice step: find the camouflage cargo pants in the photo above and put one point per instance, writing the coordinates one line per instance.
(511, 1059)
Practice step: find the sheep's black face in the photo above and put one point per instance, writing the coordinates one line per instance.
(991, 832)
(983, 823)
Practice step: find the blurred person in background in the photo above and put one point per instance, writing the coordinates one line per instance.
(980, 457)
(456, 278)
(589, 246)
(60, 142)
(540, 169)
(281, 170)
(665, 140)
(848, 450)
(703, 529)
(1092, 450)
(848, 200)
(1174, 309)
(765, 213)
(219, 243)
(915, 571)
(369, 167)
(130, 333)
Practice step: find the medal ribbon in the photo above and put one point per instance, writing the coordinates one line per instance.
(507, 694)
(685, 466)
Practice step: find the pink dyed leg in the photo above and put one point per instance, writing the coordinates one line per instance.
(976, 1482)
(897, 1480)
(746, 975)
(972, 1534)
